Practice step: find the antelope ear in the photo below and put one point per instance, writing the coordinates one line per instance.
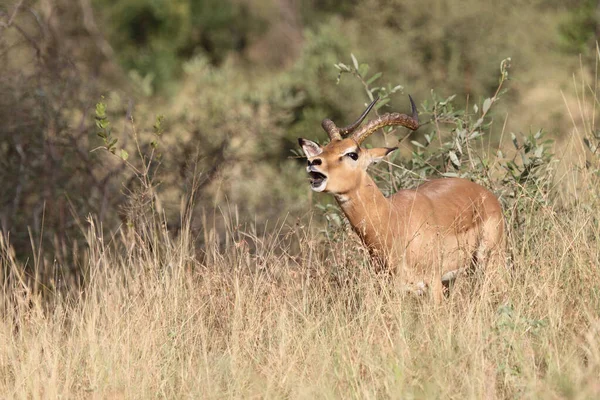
(378, 153)
(310, 148)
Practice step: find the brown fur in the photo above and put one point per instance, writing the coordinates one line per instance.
(440, 227)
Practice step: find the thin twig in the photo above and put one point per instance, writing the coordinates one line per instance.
(12, 16)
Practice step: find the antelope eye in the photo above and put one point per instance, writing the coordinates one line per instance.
(353, 156)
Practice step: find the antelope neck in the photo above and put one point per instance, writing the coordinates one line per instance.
(366, 208)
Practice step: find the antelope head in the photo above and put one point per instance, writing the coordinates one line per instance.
(340, 166)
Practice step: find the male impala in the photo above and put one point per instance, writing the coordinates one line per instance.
(424, 235)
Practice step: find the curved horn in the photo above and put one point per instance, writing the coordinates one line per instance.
(350, 128)
(410, 122)
(336, 133)
(332, 130)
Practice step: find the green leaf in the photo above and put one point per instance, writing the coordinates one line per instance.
(396, 88)
(158, 125)
(100, 109)
(354, 61)
(448, 100)
(102, 123)
(539, 151)
(458, 146)
(514, 140)
(454, 159)
(450, 175)
(510, 165)
(363, 70)
(486, 105)
(475, 135)
(417, 144)
(382, 103)
(374, 78)
(124, 155)
(344, 67)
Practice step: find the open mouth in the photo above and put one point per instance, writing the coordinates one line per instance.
(316, 179)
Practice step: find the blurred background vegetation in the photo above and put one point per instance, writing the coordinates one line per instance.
(237, 81)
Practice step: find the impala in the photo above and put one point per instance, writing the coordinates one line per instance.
(425, 235)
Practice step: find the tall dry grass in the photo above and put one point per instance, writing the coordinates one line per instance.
(288, 313)
(153, 320)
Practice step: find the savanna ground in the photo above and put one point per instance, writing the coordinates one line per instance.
(155, 267)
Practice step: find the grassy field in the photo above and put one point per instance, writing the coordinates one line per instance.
(287, 313)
